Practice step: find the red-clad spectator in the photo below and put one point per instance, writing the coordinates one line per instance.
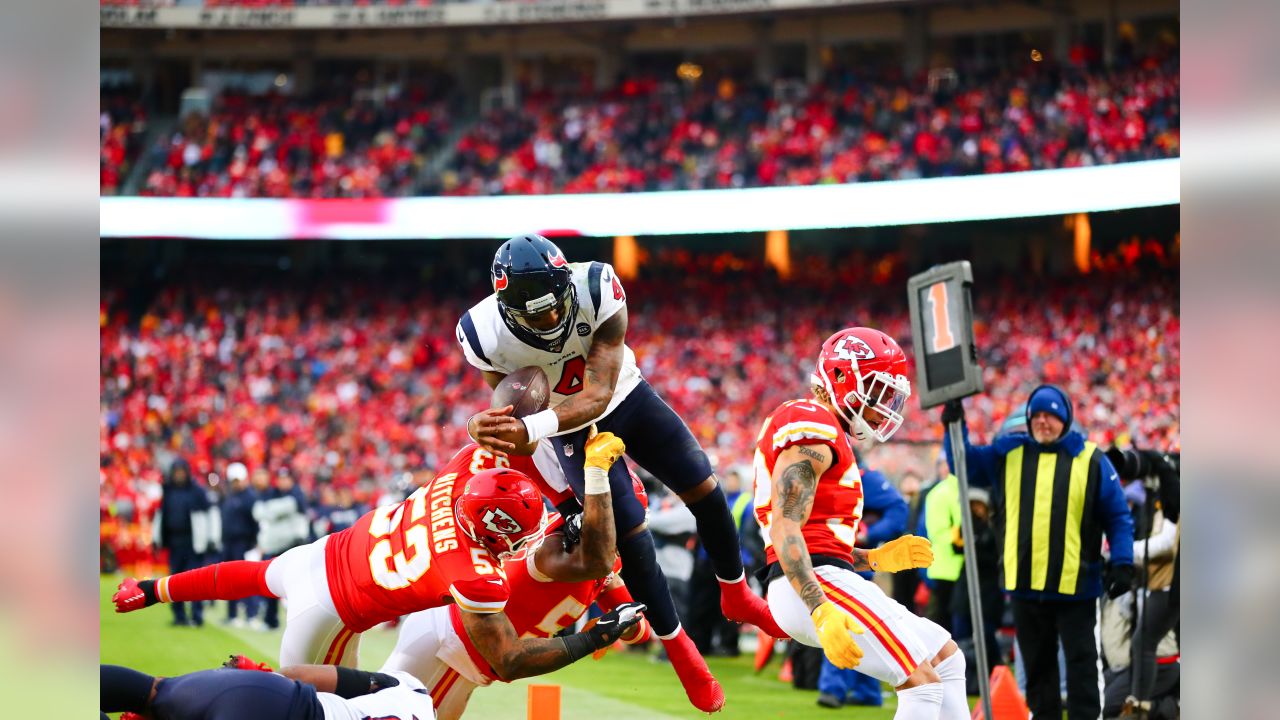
(353, 383)
(344, 144)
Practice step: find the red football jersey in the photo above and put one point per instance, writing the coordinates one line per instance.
(545, 608)
(412, 555)
(832, 527)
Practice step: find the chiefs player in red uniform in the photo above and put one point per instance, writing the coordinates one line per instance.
(556, 578)
(441, 545)
(809, 501)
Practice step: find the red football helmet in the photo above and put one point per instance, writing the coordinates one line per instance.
(862, 368)
(500, 509)
(637, 487)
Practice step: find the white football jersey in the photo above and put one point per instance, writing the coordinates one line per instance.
(407, 701)
(490, 345)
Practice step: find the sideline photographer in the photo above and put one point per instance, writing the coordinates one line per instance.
(1153, 486)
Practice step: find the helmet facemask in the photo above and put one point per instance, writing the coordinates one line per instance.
(884, 393)
(519, 319)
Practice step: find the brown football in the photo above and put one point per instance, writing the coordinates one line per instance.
(526, 389)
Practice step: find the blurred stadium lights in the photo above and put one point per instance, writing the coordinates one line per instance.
(626, 256)
(904, 202)
(777, 252)
(1084, 240)
(689, 71)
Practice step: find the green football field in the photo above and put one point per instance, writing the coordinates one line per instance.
(622, 686)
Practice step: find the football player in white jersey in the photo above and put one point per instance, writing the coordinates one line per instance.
(570, 319)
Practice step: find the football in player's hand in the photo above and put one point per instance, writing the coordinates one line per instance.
(526, 390)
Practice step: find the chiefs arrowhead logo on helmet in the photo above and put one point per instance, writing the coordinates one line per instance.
(852, 347)
(498, 521)
(557, 259)
(499, 280)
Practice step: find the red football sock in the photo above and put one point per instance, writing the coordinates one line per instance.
(233, 580)
(699, 684)
(739, 604)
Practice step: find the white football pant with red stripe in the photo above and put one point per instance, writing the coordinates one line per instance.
(313, 632)
(895, 640)
(428, 647)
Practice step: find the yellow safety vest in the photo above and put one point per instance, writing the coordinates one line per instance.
(1049, 526)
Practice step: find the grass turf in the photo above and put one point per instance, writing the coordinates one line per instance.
(622, 686)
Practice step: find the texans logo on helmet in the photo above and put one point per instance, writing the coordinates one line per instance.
(557, 259)
(499, 280)
(500, 522)
(852, 347)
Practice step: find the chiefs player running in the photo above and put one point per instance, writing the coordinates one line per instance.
(809, 501)
(441, 545)
(556, 578)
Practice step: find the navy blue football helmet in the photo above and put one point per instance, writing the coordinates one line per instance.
(532, 277)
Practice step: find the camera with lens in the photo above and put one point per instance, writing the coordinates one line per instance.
(1135, 464)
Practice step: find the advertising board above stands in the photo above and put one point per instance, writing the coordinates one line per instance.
(460, 14)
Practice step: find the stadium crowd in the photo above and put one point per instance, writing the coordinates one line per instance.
(645, 135)
(355, 384)
(122, 124)
(352, 143)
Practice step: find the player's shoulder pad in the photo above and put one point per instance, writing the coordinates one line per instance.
(604, 290)
(487, 594)
(800, 422)
(473, 335)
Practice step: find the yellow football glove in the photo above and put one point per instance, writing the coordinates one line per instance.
(603, 450)
(904, 553)
(836, 629)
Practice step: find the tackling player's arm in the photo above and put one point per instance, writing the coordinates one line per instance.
(341, 681)
(589, 558)
(593, 555)
(512, 657)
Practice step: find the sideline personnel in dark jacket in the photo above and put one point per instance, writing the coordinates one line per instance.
(188, 526)
(1055, 494)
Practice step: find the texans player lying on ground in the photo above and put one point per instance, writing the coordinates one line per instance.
(555, 578)
(809, 501)
(300, 692)
(443, 544)
(571, 320)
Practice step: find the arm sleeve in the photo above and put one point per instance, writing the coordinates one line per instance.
(980, 460)
(483, 596)
(879, 495)
(1116, 517)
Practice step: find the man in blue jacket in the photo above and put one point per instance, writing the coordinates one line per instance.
(886, 510)
(239, 533)
(1055, 494)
